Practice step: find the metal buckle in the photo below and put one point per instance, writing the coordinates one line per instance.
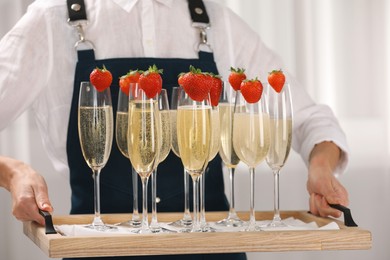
(203, 35)
(78, 25)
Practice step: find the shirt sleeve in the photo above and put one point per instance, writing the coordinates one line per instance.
(24, 65)
(313, 123)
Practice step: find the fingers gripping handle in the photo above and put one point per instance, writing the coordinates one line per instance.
(348, 220)
(49, 228)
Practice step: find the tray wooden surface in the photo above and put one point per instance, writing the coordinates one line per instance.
(58, 246)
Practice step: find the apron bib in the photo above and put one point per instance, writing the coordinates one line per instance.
(115, 180)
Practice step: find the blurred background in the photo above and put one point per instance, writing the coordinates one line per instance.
(338, 50)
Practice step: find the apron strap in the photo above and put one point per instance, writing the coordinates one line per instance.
(198, 12)
(76, 10)
(86, 55)
(200, 21)
(77, 14)
(78, 19)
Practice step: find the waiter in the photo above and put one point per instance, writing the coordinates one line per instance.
(42, 63)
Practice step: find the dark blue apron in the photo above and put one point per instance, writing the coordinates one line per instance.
(115, 180)
(116, 183)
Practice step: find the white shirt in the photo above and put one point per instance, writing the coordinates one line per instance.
(37, 62)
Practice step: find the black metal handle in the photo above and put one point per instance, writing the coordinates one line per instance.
(348, 220)
(49, 228)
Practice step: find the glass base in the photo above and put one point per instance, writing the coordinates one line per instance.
(141, 231)
(206, 228)
(162, 229)
(102, 227)
(184, 226)
(131, 224)
(252, 228)
(155, 228)
(98, 224)
(182, 223)
(276, 224)
(230, 222)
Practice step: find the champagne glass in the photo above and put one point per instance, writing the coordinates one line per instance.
(251, 141)
(194, 138)
(95, 127)
(166, 142)
(121, 129)
(186, 221)
(226, 151)
(280, 111)
(143, 143)
(214, 148)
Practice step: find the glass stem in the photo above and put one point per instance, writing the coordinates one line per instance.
(232, 211)
(187, 214)
(196, 220)
(145, 224)
(154, 221)
(276, 196)
(252, 220)
(96, 188)
(202, 201)
(134, 175)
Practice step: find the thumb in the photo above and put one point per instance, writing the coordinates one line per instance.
(42, 199)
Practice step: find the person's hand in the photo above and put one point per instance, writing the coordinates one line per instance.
(324, 188)
(28, 190)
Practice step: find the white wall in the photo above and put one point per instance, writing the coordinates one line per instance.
(337, 50)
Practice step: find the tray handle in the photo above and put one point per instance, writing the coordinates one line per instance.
(49, 228)
(348, 220)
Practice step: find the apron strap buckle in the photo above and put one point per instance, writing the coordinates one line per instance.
(77, 19)
(203, 36)
(80, 31)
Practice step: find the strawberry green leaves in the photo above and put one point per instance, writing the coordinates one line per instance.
(151, 82)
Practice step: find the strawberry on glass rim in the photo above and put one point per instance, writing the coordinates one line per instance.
(131, 77)
(276, 79)
(216, 89)
(100, 78)
(252, 90)
(236, 76)
(195, 83)
(150, 81)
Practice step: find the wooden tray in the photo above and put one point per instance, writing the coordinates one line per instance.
(58, 246)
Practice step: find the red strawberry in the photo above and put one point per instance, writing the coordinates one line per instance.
(276, 79)
(195, 83)
(216, 89)
(236, 77)
(252, 90)
(101, 78)
(131, 77)
(151, 82)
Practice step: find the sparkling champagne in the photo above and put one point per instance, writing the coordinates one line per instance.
(166, 136)
(175, 145)
(95, 132)
(215, 134)
(226, 150)
(143, 143)
(250, 143)
(122, 122)
(194, 136)
(281, 135)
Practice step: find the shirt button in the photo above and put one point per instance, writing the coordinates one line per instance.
(149, 42)
(158, 200)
